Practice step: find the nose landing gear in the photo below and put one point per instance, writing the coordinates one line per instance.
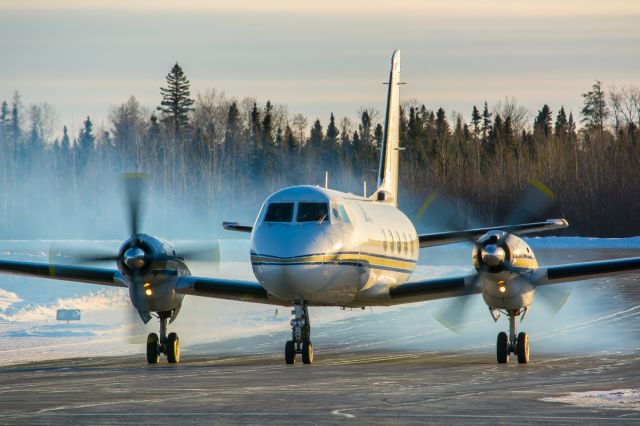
(518, 345)
(165, 344)
(300, 342)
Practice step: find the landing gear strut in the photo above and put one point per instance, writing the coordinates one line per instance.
(512, 344)
(300, 342)
(165, 344)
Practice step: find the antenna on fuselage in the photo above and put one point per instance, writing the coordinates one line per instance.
(326, 179)
(364, 185)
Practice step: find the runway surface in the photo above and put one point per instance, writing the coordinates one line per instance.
(380, 387)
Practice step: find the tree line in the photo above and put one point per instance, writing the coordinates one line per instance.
(228, 153)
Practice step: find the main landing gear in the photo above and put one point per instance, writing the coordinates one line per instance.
(511, 344)
(300, 342)
(168, 345)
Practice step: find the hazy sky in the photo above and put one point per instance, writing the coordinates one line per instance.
(85, 57)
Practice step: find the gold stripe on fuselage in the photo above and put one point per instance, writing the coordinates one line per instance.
(369, 258)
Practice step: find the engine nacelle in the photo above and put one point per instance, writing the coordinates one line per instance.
(503, 260)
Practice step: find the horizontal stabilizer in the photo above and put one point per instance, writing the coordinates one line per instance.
(234, 226)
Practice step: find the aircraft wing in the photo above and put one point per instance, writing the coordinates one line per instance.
(439, 238)
(432, 289)
(110, 277)
(221, 288)
(441, 288)
(585, 270)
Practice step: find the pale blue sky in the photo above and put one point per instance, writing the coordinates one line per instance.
(87, 56)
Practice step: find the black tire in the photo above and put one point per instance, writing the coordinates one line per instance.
(290, 352)
(153, 348)
(307, 352)
(173, 348)
(502, 348)
(523, 348)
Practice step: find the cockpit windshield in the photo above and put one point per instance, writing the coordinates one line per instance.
(313, 212)
(279, 212)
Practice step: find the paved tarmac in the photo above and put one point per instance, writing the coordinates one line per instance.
(363, 387)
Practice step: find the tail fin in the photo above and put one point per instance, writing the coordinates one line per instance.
(388, 173)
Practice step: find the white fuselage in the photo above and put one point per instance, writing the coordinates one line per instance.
(349, 257)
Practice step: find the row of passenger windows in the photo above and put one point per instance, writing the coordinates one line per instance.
(307, 212)
(394, 243)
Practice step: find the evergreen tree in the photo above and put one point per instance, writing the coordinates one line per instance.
(486, 121)
(86, 139)
(595, 110)
(542, 122)
(15, 132)
(332, 134)
(315, 137)
(176, 101)
(573, 136)
(475, 121)
(65, 144)
(562, 125)
(5, 121)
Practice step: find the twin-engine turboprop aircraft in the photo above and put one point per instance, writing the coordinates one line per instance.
(312, 246)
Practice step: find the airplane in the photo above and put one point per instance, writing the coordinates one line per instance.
(313, 246)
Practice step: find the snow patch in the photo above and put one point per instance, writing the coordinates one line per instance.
(7, 299)
(626, 399)
(99, 301)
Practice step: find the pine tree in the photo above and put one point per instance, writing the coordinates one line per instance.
(86, 138)
(176, 101)
(332, 134)
(595, 111)
(573, 137)
(5, 121)
(542, 122)
(486, 122)
(65, 144)
(562, 125)
(475, 121)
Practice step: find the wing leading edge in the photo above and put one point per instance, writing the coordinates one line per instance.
(440, 288)
(219, 288)
(440, 238)
(110, 277)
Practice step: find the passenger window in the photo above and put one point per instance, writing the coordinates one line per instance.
(405, 243)
(343, 213)
(398, 247)
(279, 212)
(392, 242)
(312, 212)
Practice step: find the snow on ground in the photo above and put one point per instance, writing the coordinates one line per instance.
(626, 399)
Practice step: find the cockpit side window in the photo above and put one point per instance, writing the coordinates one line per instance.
(335, 214)
(279, 212)
(343, 213)
(313, 212)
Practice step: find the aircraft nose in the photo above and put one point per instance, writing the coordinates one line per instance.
(293, 241)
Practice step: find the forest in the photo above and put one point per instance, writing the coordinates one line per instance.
(222, 156)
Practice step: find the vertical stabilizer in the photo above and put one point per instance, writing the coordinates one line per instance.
(387, 191)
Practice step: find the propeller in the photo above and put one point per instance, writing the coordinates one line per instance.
(492, 256)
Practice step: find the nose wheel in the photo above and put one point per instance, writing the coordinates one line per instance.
(512, 344)
(300, 342)
(163, 344)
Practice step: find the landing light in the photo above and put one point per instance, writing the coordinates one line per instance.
(502, 288)
(148, 292)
